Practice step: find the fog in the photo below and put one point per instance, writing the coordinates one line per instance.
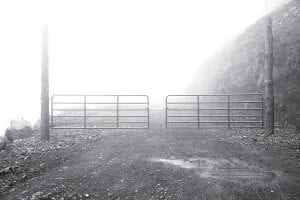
(111, 47)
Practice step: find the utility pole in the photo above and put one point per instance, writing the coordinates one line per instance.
(45, 132)
(269, 90)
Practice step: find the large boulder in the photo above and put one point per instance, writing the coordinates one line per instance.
(2, 143)
(19, 123)
(37, 125)
(19, 129)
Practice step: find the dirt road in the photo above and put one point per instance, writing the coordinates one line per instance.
(164, 164)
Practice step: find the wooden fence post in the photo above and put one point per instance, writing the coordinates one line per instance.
(269, 90)
(45, 132)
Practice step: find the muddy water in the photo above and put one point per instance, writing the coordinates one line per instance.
(220, 168)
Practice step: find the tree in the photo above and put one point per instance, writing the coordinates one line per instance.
(45, 132)
(269, 90)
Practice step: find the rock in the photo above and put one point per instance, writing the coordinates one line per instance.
(12, 190)
(19, 123)
(37, 125)
(3, 141)
(5, 170)
(19, 129)
(24, 176)
(13, 134)
(9, 134)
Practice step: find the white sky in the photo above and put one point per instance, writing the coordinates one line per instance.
(130, 46)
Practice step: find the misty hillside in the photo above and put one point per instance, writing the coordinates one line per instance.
(239, 66)
(274, 4)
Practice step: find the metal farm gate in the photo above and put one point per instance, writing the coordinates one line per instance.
(214, 110)
(100, 112)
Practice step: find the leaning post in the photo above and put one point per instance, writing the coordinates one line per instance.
(269, 90)
(45, 128)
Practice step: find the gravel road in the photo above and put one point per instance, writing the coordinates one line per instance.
(163, 164)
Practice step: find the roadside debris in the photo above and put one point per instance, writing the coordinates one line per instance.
(28, 157)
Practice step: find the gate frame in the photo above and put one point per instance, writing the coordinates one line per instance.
(228, 108)
(117, 103)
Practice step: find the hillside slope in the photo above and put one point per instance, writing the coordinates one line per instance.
(239, 66)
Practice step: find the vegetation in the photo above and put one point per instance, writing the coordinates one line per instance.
(239, 66)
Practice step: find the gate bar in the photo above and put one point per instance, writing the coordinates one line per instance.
(117, 111)
(230, 107)
(132, 118)
(84, 111)
(198, 105)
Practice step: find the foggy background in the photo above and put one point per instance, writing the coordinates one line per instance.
(111, 47)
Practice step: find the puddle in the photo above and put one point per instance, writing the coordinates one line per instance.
(219, 168)
(178, 162)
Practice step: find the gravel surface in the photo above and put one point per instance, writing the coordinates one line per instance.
(153, 164)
